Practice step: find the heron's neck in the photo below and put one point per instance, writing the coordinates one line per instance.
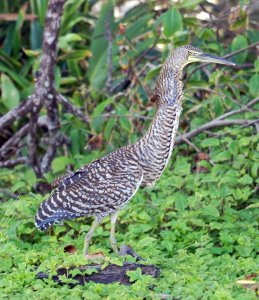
(168, 95)
(157, 144)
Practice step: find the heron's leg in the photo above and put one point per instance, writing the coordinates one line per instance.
(89, 234)
(112, 234)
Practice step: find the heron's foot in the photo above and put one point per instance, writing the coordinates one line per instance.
(126, 250)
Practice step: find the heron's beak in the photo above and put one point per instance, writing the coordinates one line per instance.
(208, 58)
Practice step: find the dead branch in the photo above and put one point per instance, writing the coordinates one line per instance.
(108, 36)
(191, 144)
(212, 124)
(12, 143)
(16, 113)
(52, 112)
(44, 94)
(44, 88)
(71, 108)
(220, 121)
(245, 108)
(112, 273)
(14, 17)
(13, 162)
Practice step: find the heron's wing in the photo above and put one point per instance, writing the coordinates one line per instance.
(60, 179)
(66, 178)
(98, 188)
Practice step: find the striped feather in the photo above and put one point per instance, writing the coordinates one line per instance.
(107, 184)
(98, 189)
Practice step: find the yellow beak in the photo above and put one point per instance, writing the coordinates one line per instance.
(208, 58)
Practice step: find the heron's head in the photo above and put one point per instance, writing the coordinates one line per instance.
(185, 55)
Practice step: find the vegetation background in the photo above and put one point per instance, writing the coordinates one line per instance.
(198, 224)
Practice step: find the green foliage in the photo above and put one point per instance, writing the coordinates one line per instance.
(199, 228)
(198, 224)
(10, 95)
(172, 21)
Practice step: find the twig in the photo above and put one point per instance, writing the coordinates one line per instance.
(56, 141)
(14, 17)
(243, 66)
(7, 192)
(71, 108)
(44, 87)
(212, 124)
(52, 112)
(13, 141)
(66, 153)
(130, 116)
(191, 144)
(108, 36)
(32, 144)
(126, 81)
(13, 162)
(241, 50)
(245, 108)
(16, 113)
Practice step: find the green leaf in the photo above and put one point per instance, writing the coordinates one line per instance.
(218, 106)
(59, 164)
(181, 201)
(222, 156)
(139, 27)
(17, 186)
(254, 169)
(172, 21)
(246, 179)
(190, 4)
(209, 142)
(146, 241)
(108, 128)
(10, 94)
(211, 211)
(75, 137)
(77, 55)
(153, 73)
(254, 85)
(135, 275)
(233, 147)
(256, 64)
(99, 44)
(96, 117)
(238, 43)
(30, 177)
(15, 76)
(181, 167)
(64, 41)
(244, 141)
(90, 271)
(31, 53)
(41, 8)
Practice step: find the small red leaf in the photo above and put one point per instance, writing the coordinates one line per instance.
(70, 249)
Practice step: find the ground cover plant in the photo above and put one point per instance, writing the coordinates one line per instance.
(199, 223)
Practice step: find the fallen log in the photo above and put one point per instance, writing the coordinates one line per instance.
(112, 273)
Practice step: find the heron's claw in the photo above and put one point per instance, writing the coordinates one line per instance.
(126, 250)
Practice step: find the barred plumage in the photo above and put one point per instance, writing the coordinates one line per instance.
(97, 189)
(104, 186)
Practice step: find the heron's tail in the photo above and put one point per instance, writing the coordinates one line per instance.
(50, 213)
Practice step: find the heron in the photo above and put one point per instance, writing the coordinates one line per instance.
(103, 187)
